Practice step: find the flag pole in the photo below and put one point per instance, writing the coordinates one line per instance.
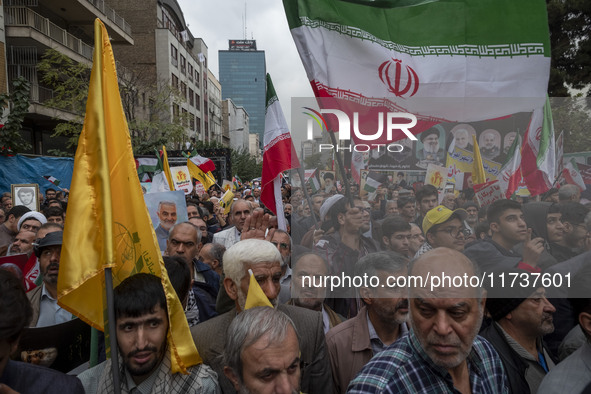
(342, 170)
(306, 195)
(112, 330)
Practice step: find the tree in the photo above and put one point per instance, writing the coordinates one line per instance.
(149, 121)
(245, 165)
(570, 39)
(17, 103)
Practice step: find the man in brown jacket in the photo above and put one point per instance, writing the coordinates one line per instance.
(379, 323)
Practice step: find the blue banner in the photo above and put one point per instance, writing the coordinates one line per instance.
(20, 169)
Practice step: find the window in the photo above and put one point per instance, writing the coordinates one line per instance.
(184, 90)
(197, 101)
(198, 125)
(175, 81)
(175, 113)
(191, 98)
(174, 55)
(197, 78)
(190, 71)
(185, 118)
(183, 64)
(192, 122)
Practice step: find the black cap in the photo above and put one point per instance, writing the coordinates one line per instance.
(51, 239)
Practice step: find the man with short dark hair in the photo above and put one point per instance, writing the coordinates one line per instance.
(379, 323)
(263, 258)
(426, 198)
(508, 227)
(442, 353)
(141, 326)
(407, 208)
(55, 215)
(444, 228)
(262, 352)
(575, 232)
(23, 243)
(396, 235)
(15, 313)
(416, 240)
(9, 228)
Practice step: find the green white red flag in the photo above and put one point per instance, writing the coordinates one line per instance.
(572, 175)
(510, 174)
(278, 155)
(538, 154)
(375, 57)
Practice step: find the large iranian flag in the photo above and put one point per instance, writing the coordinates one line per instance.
(433, 59)
(278, 154)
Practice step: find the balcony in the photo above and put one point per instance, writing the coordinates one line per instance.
(111, 15)
(25, 17)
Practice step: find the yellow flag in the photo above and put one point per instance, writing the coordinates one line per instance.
(166, 169)
(478, 174)
(226, 201)
(206, 179)
(256, 296)
(108, 224)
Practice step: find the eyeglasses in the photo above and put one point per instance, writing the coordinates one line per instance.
(455, 231)
(282, 245)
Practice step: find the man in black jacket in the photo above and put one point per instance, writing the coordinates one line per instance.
(519, 323)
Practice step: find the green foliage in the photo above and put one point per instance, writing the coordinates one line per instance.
(150, 124)
(17, 102)
(245, 165)
(570, 40)
(571, 116)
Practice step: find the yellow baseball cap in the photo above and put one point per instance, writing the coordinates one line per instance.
(441, 214)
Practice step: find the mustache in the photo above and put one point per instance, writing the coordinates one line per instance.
(53, 265)
(402, 304)
(146, 349)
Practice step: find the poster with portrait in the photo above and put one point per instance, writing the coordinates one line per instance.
(166, 208)
(431, 147)
(328, 181)
(26, 194)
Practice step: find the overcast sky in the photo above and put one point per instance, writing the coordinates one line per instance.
(217, 22)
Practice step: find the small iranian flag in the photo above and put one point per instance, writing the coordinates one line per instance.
(396, 56)
(572, 174)
(52, 179)
(278, 155)
(510, 173)
(373, 181)
(206, 165)
(538, 160)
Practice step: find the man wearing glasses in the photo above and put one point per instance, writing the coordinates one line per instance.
(444, 228)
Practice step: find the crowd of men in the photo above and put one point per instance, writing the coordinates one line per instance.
(382, 336)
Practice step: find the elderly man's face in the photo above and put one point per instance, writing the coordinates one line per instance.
(283, 245)
(167, 215)
(240, 211)
(388, 304)
(533, 317)
(447, 319)
(305, 294)
(489, 141)
(271, 367)
(49, 263)
(267, 274)
(462, 139)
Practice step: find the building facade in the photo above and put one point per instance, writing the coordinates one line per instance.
(168, 60)
(236, 124)
(243, 79)
(215, 111)
(30, 28)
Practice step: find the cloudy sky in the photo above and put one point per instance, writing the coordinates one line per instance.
(217, 22)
